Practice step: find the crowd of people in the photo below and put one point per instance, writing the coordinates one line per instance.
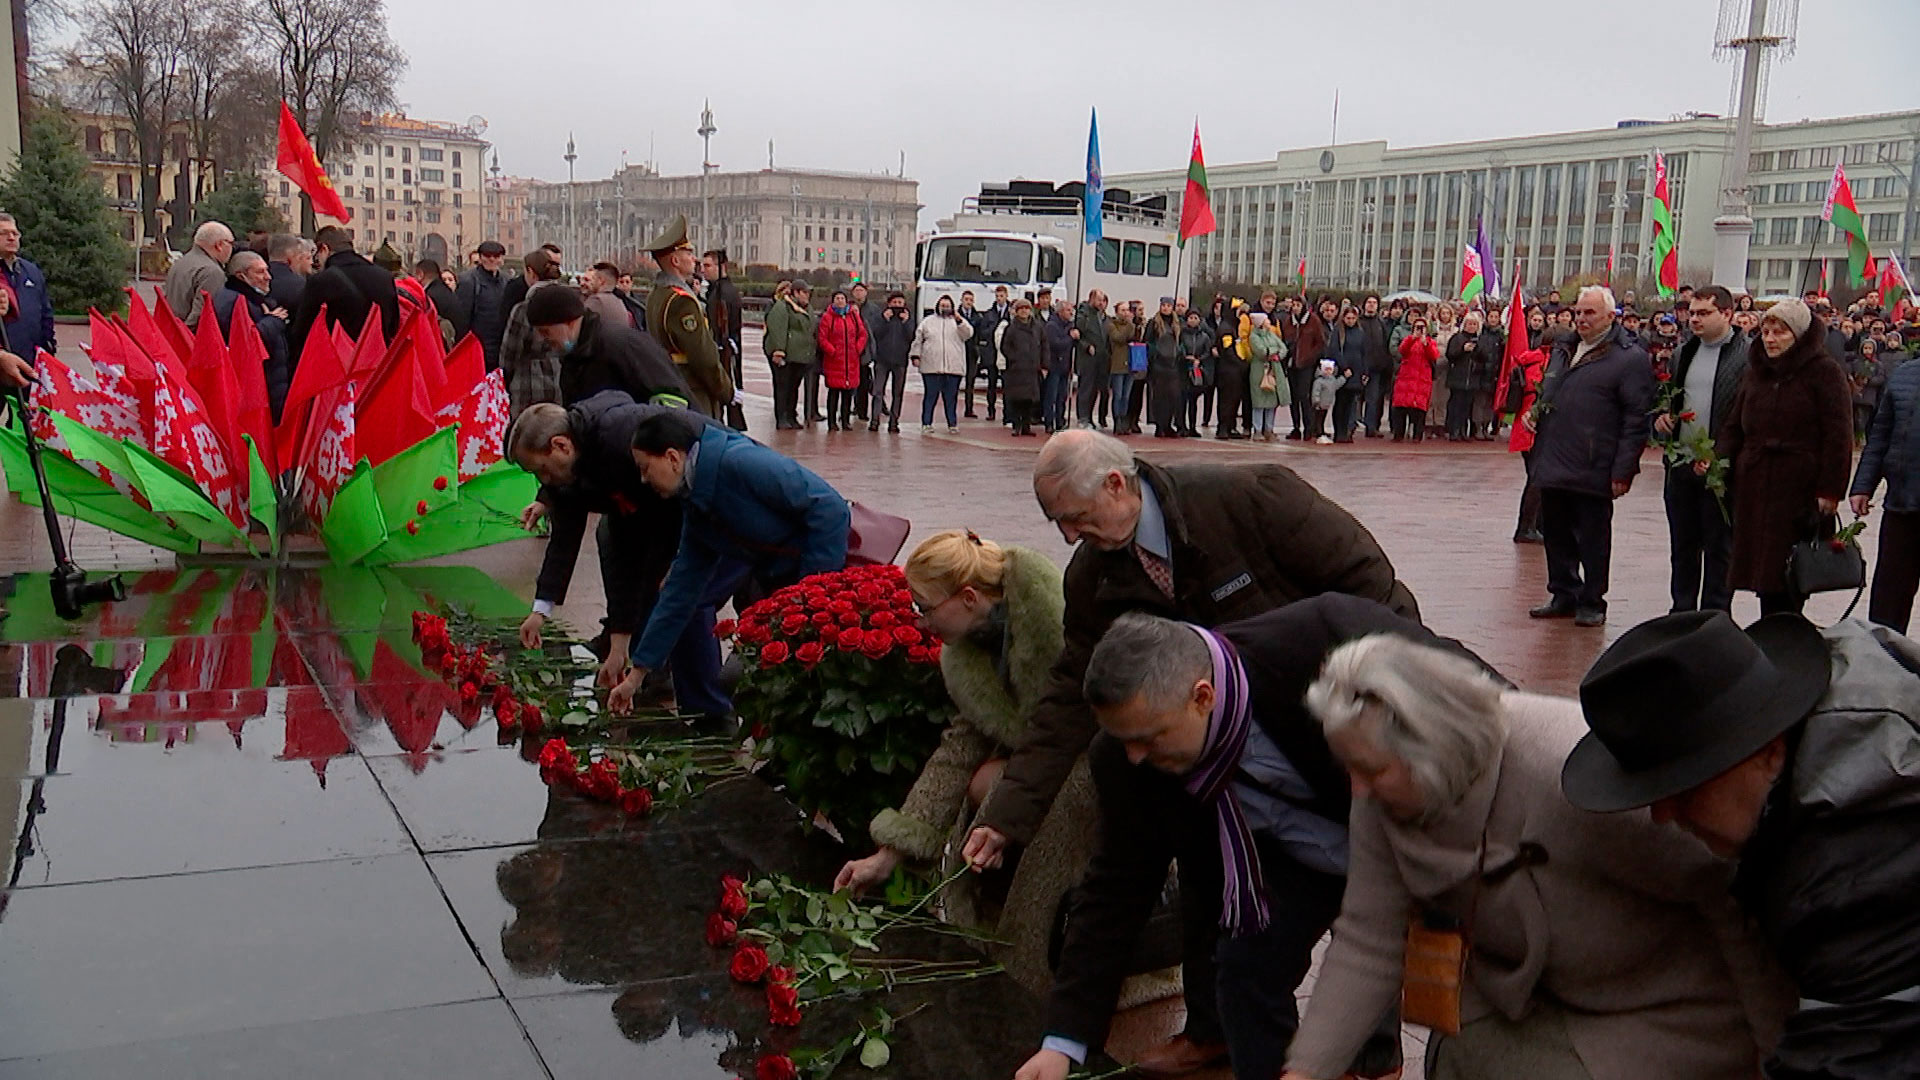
(1702, 866)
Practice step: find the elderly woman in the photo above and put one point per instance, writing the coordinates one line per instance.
(1267, 385)
(1600, 947)
(1789, 436)
(999, 612)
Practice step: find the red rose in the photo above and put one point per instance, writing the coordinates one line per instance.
(851, 618)
(469, 693)
(775, 1067)
(1687, 417)
(1837, 544)
(530, 720)
(439, 483)
(933, 652)
(810, 653)
(783, 1005)
(876, 644)
(733, 897)
(775, 652)
(449, 665)
(1663, 375)
(756, 634)
(906, 635)
(822, 619)
(842, 605)
(818, 598)
(829, 636)
(793, 624)
(603, 781)
(881, 619)
(779, 974)
(720, 930)
(917, 654)
(636, 801)
(724, 628)
(749, 965)
(506, 715)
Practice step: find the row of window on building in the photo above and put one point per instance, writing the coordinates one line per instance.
(1826, 157)
(1811, 230)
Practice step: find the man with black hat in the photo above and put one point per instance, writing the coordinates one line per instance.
(598, 354)
(1793, 751)
(676, 321)
(480, 306)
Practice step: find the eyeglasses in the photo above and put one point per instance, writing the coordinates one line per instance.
(927, 610)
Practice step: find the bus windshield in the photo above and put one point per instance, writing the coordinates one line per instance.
(979, 259)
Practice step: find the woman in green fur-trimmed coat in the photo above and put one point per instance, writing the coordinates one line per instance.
(999, 612)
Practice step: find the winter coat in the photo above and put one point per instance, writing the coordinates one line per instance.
(1269, 354)
(1529, 366)
(1789, 436)
(1413, 386)
(1060, 345)
(1893, 444)
(1348, 349)
(1093, 325)
(480, 309)
(1245, 539)
(789, 331)
(642, 526)
(1326, 390)
(30, 321)
(1464, 368)
(349, 288)
(1832, 870)
(289, 284)
(1196, 352)
(892, 339)
(614, 356)
(1595, 417)
(1726, 378)
(1626, 925)
(1119, 341)
(1373, 331)
(842, 337)
(1023, 351)
(1166, 372)
(191, 275)
(1311, 347)
(940, 345)
(277, 368)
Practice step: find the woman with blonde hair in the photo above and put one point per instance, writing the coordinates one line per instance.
(1593, 946)
(1445, 325)
(999, 613)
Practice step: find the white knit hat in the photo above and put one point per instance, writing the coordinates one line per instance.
(1792, 313)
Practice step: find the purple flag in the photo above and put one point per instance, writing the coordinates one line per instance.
(1489, 265)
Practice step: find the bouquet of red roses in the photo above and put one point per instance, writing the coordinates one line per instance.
(842, 691)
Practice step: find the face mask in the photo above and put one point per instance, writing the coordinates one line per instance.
(839, 309)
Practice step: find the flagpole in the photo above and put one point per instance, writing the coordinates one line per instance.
(1811, 244)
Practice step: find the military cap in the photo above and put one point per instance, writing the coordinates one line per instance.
(672, 238)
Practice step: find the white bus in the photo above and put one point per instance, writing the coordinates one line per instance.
(1027, 234)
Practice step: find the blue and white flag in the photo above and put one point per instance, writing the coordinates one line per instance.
(1090, 210)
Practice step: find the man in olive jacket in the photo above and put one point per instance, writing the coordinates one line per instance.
(1206, 544)
(1090, 355)
(788, 343)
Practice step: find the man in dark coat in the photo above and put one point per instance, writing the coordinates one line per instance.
(248, 281)
(724, 318)
(1373, 330)
(1793, 751)
(597, 355)
(30, 321)
(870, 309)
(1166, 372)
(1707, 371)
(1090, 355)
(349, 287)
(480, 303)
(583, 458)
(1207, 544)
(1590, 425)
(1148, 818)
(892, 345)
(1023, 349)
(290, 261)
(986, 362)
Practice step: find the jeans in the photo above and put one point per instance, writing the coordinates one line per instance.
(1379, 397)
(1896, 573)
(1578, 529)
(1121, 387)
(1263, 419)
(883, 374)
(946, 388)
(1701, 543)
(1346, 412)
(1256, 975)
(696, 654)
(1053, 396)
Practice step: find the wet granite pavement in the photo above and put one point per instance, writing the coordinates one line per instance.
(246, 837)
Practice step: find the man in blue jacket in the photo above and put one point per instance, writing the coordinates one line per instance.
(30, 325)
(748, 512)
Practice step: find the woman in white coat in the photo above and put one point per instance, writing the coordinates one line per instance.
(940, 352)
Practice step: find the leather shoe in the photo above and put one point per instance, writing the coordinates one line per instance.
(1179, 1056)
(1589, 617)
(1552, 609)
(1530, 536)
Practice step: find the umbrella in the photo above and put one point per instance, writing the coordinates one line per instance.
(1413, 296)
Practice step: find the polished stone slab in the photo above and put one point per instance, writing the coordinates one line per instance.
(115, 963)
(475, 1040)
(256, 727)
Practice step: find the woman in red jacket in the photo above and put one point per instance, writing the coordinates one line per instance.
(1413, 388)
(842, 337)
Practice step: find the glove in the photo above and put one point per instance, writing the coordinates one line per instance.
(739, 397)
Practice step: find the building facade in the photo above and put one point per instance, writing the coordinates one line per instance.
(113, 158)
(1364, 215)
(415, 184)
(860, 224)
(507, 201)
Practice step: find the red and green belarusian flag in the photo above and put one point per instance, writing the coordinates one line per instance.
(1196, 207)
(1894, 285)
(1666, 259)
(1846, 217)
(1472, 283)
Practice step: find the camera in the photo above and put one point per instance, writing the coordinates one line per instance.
(72, 592)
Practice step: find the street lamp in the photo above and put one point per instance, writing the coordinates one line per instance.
(1906, 177)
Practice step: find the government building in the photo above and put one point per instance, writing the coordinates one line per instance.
(1365, 215)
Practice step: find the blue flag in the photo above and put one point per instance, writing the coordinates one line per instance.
(1489, 265)
(1090, 211)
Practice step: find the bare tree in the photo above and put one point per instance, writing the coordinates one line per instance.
(136, 51)
(335, 60)
(222, 76)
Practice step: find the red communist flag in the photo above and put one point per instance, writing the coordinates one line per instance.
(298, 163)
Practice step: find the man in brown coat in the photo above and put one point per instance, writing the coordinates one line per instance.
(1205, 544)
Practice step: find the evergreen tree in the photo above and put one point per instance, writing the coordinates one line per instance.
(63, 216)
(239, 203)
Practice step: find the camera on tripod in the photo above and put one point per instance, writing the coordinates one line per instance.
(72, 592)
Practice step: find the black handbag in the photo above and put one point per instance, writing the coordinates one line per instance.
(1825, 564)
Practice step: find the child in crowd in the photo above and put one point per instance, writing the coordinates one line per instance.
(1325, 385)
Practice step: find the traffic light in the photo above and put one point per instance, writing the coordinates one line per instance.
(822, 254)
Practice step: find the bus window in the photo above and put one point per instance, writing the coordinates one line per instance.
(1133, 259)
(1157, 259)
(1053, 263)
(1106, 257)
(979, 260)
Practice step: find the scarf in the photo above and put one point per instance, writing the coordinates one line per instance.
(1243, 900)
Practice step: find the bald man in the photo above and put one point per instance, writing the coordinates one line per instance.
(1205, 544)
(200, 273)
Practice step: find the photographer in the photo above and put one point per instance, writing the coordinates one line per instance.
(940, 352)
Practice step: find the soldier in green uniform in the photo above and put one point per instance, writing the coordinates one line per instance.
(676, 319)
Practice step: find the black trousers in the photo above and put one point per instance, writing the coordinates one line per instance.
(1578, 529)
(1701, 543)
(1021, 414)
(786, 393)
(810, 383)
(1136, 404)
(1529, 501)
(1091, 373)
(883, 374)
(1459, 413)
(1379, 400)
(1232, 384)
(1408, 423)
(1896, 573)
(840, 405)
(865, 390)
(1346, 412)
(1300, 382)
(980, 365)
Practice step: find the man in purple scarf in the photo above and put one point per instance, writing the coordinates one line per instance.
(1208, 755)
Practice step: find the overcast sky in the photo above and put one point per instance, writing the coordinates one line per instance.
(970, 93)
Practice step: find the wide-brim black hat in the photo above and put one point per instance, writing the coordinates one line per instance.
(1683, 698)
